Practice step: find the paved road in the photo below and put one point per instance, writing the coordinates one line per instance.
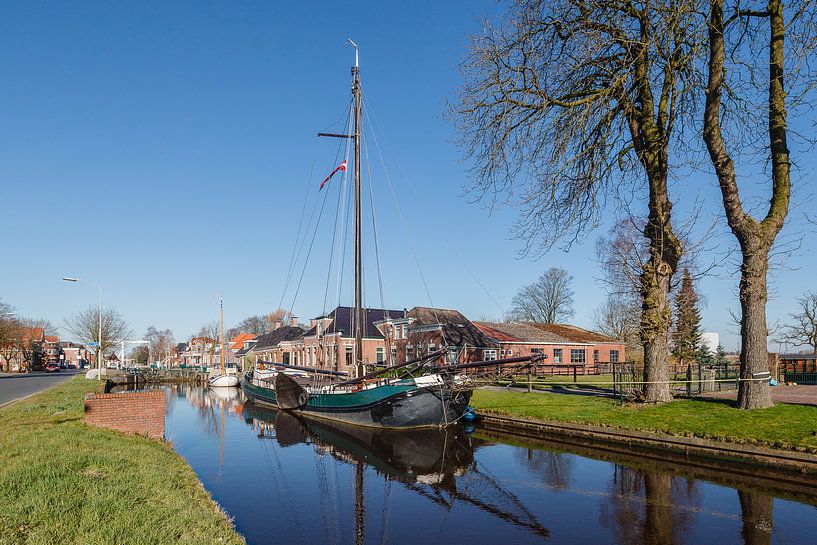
(14, 385)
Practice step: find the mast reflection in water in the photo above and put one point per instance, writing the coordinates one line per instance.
(289, 480)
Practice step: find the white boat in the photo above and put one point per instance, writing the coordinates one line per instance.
(228, 380)
(228, 377)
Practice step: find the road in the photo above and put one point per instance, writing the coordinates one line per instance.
(14, 386)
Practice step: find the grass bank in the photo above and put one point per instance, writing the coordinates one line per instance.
(64, 482)
(783, 426)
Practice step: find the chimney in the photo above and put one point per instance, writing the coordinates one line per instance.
(293, 320)
(276, 324)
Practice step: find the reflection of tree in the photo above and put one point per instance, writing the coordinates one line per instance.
(756, 509)
(554, 467)
(642, 506)
(658, 526)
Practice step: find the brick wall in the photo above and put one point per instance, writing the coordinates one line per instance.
(141, 413)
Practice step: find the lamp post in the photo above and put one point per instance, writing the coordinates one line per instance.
(99, 346)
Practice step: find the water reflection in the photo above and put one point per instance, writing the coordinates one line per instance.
(428, 462)
(305, 481)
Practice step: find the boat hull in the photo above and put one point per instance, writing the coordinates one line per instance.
(395, 406)
(224, 381)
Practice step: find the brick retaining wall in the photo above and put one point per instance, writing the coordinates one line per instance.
(141, 413)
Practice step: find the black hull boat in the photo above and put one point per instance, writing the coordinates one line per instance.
(420, 402)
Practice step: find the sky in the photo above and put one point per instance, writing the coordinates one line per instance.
(165, 152)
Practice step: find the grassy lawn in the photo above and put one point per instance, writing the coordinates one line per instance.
(782, 426)
(64, 482)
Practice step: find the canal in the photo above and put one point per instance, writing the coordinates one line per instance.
(283, 480)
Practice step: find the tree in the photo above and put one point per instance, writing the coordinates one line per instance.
(617, 318)
(562, 103)
(704, 356)
(279, 317)
(32, 333)
(9, 335)
(211, 331)
(160, 343)
(549, 300)
(686, 333)
(84, 326)
(720, 357)
(754, 87)
(803, 329)
(140, 354)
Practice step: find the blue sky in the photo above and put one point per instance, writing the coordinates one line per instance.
(163, 150)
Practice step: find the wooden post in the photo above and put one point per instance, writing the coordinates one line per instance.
(530, 386)
(574, 373)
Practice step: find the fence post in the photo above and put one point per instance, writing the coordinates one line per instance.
(530, 386)
(689, 380)
(574, 374)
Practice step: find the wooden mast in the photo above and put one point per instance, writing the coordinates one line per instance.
(221, 317)
(359, 369)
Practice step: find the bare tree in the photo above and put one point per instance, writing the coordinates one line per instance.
(549, 300)
(618, 318)
(565, 100)
(803, 329)
(84, 326)
(754, 89)
(279, 317)
(9, 335)
(160, 343)
(210, 331)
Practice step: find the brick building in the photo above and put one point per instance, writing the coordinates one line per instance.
(562, 345)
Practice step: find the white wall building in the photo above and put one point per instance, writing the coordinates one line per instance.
(710, 340)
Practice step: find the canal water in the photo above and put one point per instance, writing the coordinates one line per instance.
(284, 480)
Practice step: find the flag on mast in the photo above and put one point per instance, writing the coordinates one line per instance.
(341, 166)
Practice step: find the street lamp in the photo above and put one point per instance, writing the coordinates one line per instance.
(99, 346)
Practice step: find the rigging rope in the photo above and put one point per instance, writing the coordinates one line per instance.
(374, 225)
(402, 217)
(338, 213)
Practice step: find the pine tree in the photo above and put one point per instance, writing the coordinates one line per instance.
(720, 357)
(686, 334)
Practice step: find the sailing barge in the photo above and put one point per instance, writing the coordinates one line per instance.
(420, 393)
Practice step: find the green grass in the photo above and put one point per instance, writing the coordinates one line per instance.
(782, 426)
(64, 482)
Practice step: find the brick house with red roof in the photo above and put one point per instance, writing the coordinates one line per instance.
(563, 346)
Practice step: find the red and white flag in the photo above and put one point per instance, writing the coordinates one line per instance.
(341, 166)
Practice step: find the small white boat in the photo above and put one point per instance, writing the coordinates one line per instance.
(228, 378)
(224, 381)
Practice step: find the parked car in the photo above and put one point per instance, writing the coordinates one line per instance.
(52, 367)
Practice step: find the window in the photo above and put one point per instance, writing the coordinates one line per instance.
(510, 353)
(557, 355)
(380, 356)
(536, 352)
(595, 356)
(489, 355)
(613, 356)
(430, 348)
(501, 353)
(393, 355)
(452, 356)
(577, 355)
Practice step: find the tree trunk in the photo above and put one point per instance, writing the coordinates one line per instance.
(655, 326)
(755, 237)
(754, 356)
(665, 251)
